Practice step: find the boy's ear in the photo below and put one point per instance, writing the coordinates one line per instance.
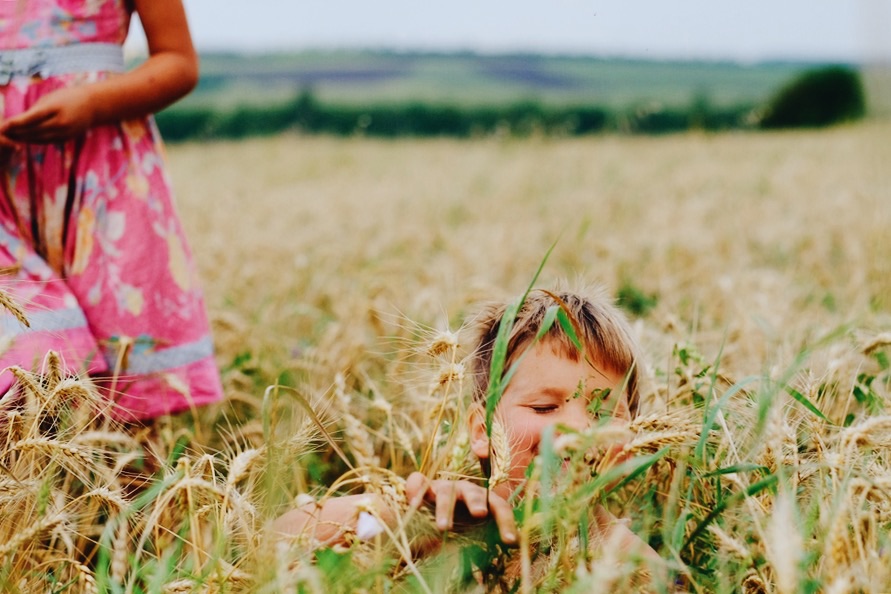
(479, 441)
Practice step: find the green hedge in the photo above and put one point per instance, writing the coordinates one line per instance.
(306, 114)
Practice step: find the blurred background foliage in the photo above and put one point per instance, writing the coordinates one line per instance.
(816, 98)
(387, 94)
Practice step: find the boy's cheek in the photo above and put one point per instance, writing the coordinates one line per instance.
(523, 437)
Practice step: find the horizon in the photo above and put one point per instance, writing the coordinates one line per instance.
(249, 52)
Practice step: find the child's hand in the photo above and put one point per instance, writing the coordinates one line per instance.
(6, 148)
(55, 117)
(476, 502)
(6, 144)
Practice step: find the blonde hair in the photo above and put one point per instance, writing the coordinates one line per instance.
(600, 326)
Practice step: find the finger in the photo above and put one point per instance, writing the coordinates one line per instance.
(475, 499)
(446, 495)
(417, 486)
(6, 143)
(39, 138)
(29, 119)
(31, 129)
(42, 135)
(504, 518)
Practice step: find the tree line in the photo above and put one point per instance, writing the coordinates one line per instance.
(819, 97)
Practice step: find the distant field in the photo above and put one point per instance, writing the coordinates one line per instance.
(473, 79)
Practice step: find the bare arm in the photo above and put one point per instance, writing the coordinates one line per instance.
(453, 502)
(169, 73)
(329, 522)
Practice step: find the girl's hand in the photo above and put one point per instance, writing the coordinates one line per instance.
(55, 117)
(476, 503)
(6, 146)
(170, 72)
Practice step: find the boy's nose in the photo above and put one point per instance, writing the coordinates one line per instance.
(575, 421)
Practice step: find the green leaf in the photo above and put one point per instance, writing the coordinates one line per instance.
(547, 322)
(631, 469)
(620, 475)
(801, 398)
(568, 328)
(331, 562)
(738, 468)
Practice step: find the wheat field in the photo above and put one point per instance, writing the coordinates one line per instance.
(755, 269)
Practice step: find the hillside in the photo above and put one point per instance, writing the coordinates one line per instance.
(476, 79)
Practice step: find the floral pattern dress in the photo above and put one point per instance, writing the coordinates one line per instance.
(90, 243)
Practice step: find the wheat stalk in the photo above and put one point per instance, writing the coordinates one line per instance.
(51, 446)
(241, 465)
(29, 533)
(9, 303)
(120, 550)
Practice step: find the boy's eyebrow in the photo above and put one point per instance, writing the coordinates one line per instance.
(552, 391)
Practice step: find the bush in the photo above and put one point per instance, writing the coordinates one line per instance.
(817, 98)
(181, 124)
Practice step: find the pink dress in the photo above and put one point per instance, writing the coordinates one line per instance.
(90, 240)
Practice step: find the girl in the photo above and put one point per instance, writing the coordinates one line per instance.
(88, 232)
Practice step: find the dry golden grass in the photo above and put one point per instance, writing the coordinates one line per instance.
(343, 269)
(765, 252)
(757, 241)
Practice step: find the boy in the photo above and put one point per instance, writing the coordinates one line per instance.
(555, 384)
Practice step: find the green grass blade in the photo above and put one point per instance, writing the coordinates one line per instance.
(550, 469)
(712, 416)
(736, 468)
(547, 322)
(499, 349)
(569, 328)
(753, 489)
(631, 469)
(802, 399)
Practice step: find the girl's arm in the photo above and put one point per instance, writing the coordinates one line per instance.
(169, 73)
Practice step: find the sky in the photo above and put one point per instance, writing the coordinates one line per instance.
(742, 31)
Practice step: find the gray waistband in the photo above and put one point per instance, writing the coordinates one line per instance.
(53, 61)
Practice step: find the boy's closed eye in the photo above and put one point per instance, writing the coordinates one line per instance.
(544, 401)
(543, 409)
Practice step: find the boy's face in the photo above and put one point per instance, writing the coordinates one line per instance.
(547, 389)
